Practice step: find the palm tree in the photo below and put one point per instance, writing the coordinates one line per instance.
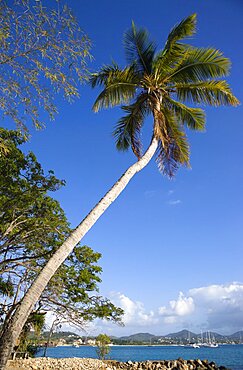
(159, 84)
(153, 83)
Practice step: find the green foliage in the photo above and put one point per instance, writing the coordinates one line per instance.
(184, 29)
(36, 321)
(159, 84)
(32, 227)
(120, 86)
(200, 64)
(43, 51)
(173, 143)
(127, 131)
(102, 342)
(72, 293)
(206, 92)
(139, 49)
(193, 118)
(32, 224)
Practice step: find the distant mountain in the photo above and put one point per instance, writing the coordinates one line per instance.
(238, 335)
(139, 337)
(213, 335)
(186, 334)
(183, 334)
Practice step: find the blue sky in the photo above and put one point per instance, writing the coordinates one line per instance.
(161, 237)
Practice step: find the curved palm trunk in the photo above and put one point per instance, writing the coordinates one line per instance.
(16, 323)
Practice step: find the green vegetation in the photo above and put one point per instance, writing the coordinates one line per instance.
(180, 338)
(43, 52)
(102, 342)
(159, 83)
(36, 321)
(32, 227)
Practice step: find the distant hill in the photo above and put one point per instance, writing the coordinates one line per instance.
(139, 337)
(213, 335)
(183, 334)
(60, 334)
(238, 336)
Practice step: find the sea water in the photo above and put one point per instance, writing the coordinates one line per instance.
(230, 356)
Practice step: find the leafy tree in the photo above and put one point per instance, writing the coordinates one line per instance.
(32, 227)
(32, 224)
(43, 51)
(72, 293)
(102, 342)
(152, 83)
(35, 322)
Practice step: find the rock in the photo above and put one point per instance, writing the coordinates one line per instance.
(93, 364)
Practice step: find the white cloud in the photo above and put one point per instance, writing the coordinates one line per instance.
(213, 307)
(183, 305)
(212, 293)
(174, 202)
(170, 320)
(134, 311)
(221, 304)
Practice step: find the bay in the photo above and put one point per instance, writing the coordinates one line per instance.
(230, 356)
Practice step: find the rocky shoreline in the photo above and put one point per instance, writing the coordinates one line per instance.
(45, 363)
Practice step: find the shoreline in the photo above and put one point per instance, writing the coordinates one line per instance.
(46, 363)
(137, 345)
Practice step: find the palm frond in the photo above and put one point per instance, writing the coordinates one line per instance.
(208, 92)
(165, 63)
(100, 78)
(139, 49)
(186, 28)
(120, 87)
(173, 149)
(127, 131)
(173, 49)
(200, 64)
(193, 118)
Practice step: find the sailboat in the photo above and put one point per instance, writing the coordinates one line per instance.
(210, 343)
(191, 345)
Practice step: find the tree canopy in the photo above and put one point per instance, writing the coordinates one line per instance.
(43, 51)
(32, 227)
(160, 83)
(102, 342)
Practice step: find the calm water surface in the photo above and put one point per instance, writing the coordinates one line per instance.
(227, 355)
